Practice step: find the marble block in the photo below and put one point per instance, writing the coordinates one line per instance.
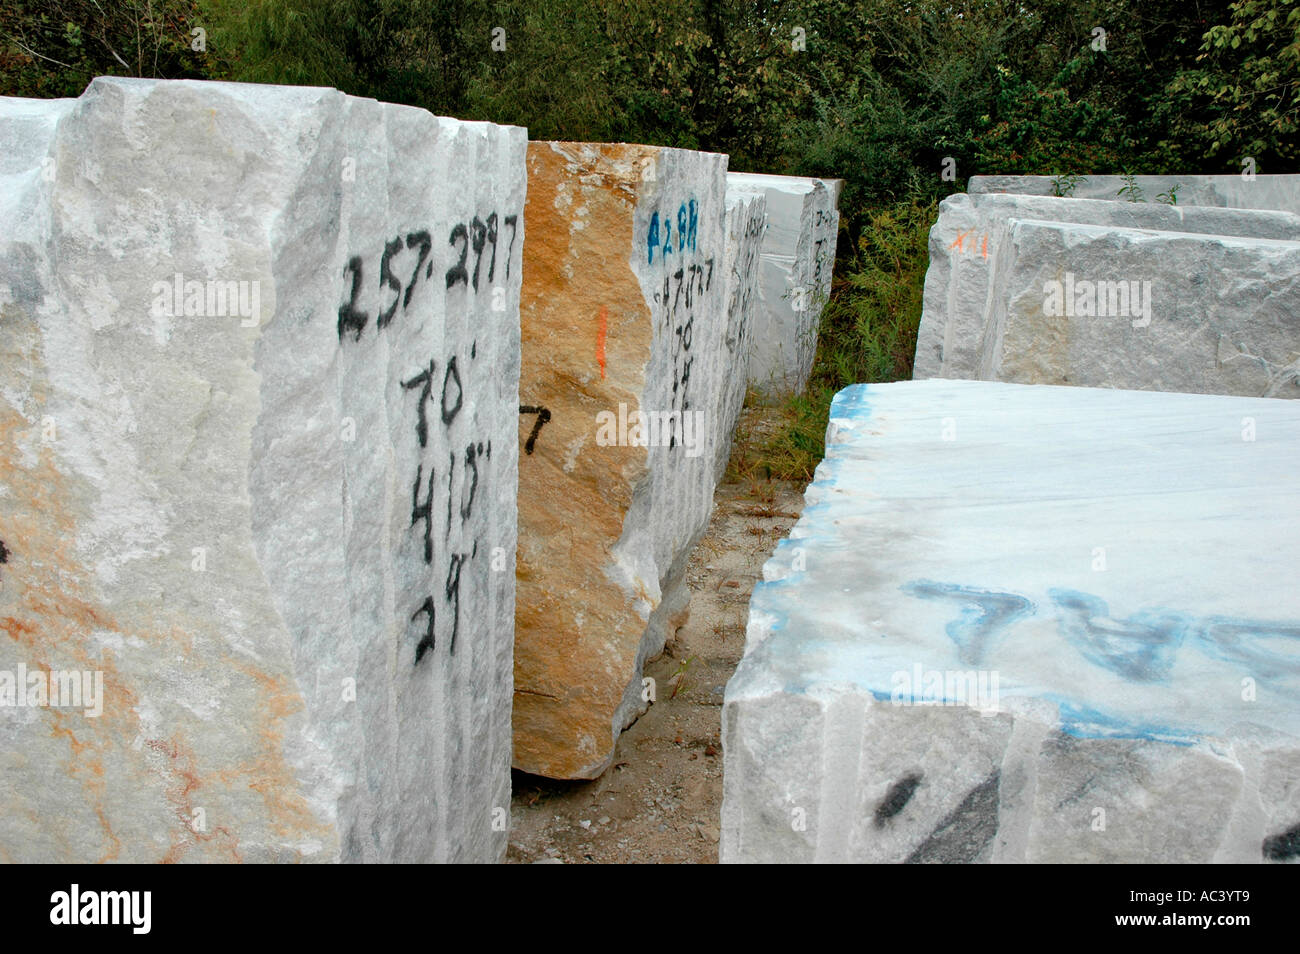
(1027, 624)
(260, 353)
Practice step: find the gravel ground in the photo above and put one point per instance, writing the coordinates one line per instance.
(661, 800)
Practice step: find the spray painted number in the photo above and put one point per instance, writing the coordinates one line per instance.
(691, 280)
(464, 475)
(543, 415)
(688, 221)
(352, 318)
(466, 237)
(474, 236)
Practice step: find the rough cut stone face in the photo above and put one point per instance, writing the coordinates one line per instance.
(970, 235)
(1281, 192)
(1027, 624)
(266, 514)
(794, 282)
(1207, 314)
(746, 223)
(622, 395)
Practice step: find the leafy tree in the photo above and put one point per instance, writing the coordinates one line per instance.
(1243, 97)
(51, 48)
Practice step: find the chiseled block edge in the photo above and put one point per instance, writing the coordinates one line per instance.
(746, 225)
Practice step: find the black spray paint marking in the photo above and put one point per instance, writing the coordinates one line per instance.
(423, 511)
(351, 318)
(426, 643)
(425, 241)
(424, 380)
(388, 280)
(966, 831)
(471, 475)
(453, 374)
(899, 794)
(458, 272)
(453, 594)
(512, 221)
(543, 415)
(1283, 847)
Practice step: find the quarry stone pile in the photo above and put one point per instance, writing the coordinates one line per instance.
(624, 400)
(1027, 624)
(795, 265)
(969, 242)
(1242, 191)
(260, 351)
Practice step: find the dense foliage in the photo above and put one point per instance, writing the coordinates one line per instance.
(882, 93)
(876, 91)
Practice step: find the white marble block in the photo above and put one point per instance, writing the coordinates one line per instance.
(260, 353)
(746, 224)
(1259, 191)
(1206, 314)
(624, 402)
(1027, 624)
(969, 238)
(795, 266)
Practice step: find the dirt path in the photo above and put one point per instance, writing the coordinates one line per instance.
(662, 799)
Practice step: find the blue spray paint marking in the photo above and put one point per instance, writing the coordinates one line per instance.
(652, 238)
(688, 222)
(1234, 639)
(984, 613)
(1140, 649)
(1083, 722)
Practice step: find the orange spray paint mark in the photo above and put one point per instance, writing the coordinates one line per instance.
(600, 340)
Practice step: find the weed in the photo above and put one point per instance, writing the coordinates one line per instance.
(1130, 187)
(679, 675)
(1063, 186)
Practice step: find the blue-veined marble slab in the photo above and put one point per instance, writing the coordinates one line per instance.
(1028, 623)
